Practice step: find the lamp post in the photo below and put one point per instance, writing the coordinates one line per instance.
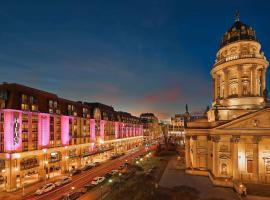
(46, 169)
(101, 192)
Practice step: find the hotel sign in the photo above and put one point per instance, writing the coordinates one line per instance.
(16, 129)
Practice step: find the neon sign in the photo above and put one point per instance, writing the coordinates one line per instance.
(16, 129)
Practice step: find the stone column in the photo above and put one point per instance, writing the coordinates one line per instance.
(213, 89)
(215, 83)
(208, 164)
(256, 140)
(10, 175)
(215, 140)
(226, 83)
(187, 151)
(252, 80)
(263, 79)
(239, 80)
(235, 140)
(194, 149)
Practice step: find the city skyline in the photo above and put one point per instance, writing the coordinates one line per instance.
(138, 57)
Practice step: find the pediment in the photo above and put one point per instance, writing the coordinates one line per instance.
(256, 120)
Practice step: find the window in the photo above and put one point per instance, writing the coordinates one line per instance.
(55, 104)
(31, 99)
(249, 166)
(3, 95)
(34, 108)
(24, 106)
(24, 98)
(50, 103)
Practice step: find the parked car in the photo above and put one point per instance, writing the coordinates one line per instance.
(71, 195)
(108, 175)
(95, 164)
(87, 167)
(97, 180)
(75, 171)
(113, 172)
(46, 188)
(63, 180)
(89, 186)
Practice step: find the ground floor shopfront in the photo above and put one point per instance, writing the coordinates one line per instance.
(20, 169)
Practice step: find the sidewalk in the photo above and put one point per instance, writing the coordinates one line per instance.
(27, 190)
(174, 175)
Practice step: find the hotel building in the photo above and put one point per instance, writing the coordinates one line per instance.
(42, 134)
(233, 143)
(151, 127)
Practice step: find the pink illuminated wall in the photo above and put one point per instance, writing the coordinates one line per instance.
(92, 130)
(102, 127)
(11, 118)
(65, 130)
(134, 131)
(116, 129)
(127, 131)
(141, 130)
(43, 129)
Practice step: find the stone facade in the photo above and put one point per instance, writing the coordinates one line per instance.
(234, 142)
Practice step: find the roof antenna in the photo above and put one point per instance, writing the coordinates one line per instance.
(237, 16)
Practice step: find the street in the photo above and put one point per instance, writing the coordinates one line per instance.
(78, 181)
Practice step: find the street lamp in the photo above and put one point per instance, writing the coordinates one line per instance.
(46, 167)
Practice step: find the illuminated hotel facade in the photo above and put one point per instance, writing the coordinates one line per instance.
(233, 143)
(41, 133)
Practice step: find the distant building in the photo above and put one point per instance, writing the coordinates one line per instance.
(151, 127)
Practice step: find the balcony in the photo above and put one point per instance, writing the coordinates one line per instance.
(238, 56)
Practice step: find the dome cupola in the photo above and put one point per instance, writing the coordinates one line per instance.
(239, 31)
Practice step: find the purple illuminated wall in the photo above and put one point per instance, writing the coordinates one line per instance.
(102, 127)
(43, 129)
(116, 129)
(65, 130)
(9, 123)
(92, 130)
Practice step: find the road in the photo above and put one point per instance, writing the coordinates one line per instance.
(78, 181)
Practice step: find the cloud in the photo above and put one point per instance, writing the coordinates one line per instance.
(164, 95)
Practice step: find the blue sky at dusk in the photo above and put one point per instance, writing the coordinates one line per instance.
(139, 56)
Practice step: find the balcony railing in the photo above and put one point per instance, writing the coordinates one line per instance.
(238, 56)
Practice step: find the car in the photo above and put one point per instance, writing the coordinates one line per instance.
(113, 172)
(86, 167)
(62, 181)
(97, 180)
(45, 188)
(108, 175)
(75, 171)
(121, 167)
(89, 186)
(95, 164)
(71, 195)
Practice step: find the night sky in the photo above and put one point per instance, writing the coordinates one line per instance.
(139, 56)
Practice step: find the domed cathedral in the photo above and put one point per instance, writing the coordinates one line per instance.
(239, 73)
(233, 142)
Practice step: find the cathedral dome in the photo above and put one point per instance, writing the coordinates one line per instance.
(239, 31)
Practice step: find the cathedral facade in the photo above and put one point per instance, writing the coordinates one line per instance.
(233, 143)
